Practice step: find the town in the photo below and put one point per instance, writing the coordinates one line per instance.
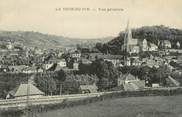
(90, 58)
(140, 65)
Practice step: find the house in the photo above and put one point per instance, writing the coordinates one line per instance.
(130, 82)
(135, 62)
(144, 45)
(29, 70)
(60, 54)
(94, 56)
(55, 67)
(88, 89)
(166, 44)
(178, 45)
(70, 49)
(21, 92)
(114, 59)
(9, 46)
(125, 78)
(17, 69)
(47, 66)
(178, 51)
(179, 59)
(62, 63)
(54, 60)
(85, 61)
(129, 77)
(152, 61)
(152, 47)
(59, 63)
(38, 52)
(75, 65)
(76, 54)
(40, 69)
(155, 85)
(134, 49)
(128, 62)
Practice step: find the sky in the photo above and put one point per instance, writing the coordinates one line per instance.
(42, 16)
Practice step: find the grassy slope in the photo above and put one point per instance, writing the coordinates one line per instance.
(170, 106)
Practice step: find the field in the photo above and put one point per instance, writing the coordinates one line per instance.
(158, 106)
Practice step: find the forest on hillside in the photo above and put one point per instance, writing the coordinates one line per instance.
(46, 41)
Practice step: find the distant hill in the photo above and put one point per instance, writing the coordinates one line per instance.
(36, 39)
(153, 34)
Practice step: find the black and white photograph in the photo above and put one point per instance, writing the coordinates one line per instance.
(90, 58)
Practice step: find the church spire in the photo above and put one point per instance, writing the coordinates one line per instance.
(128, 37)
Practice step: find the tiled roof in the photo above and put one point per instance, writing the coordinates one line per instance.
(21, 90)
(127, 77)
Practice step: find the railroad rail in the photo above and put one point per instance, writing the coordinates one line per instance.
(44, 100)
(21, 103)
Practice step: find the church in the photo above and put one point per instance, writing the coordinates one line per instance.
(134, 46)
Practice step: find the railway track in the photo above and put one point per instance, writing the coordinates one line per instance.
(8, 103)
(44, 100)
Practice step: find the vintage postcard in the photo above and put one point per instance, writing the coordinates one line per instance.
(90, 58)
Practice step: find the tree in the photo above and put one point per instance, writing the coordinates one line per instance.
(46, 84)
(106, 73)
(84, 68)
(99, 46)
(60, 77)
(71, 85)
(159, 75)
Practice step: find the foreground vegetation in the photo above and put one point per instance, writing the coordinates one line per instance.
(162, 106)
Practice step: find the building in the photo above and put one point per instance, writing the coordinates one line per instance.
(114, 59)
(135, 62)
(29, 70)
(152, 47)
(93, 56)
(178, 45)
(166, 44)
(130, 45)
(75, 66)
(21, 92)
(88, 89)
(144, 45)
(85, 61)
(134, 49)
(76, 54)
(38, 52)
(155, 85)
(130, 82)
(17, 69)
(62, 63)
(9, 46)
(55, 67)
(60, 53)
(150, 63)
(47, 66)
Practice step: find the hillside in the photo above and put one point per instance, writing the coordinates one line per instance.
(153, 34)
(36, 39)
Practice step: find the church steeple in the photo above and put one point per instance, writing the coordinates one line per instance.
(128, 37)
(127, 40)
